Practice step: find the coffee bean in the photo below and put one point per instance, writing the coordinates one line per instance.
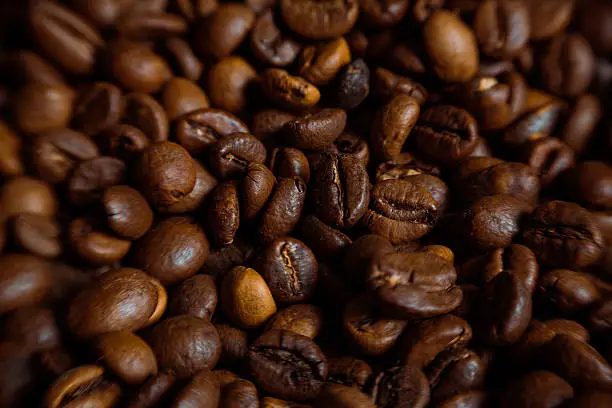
(402, 386)
(569, 291)
(350, 143)
(336, 395)
(56, 153)
(287, 365)
(173, 250)
(185, 344)
(181, 96)
(34, 69)
(224, 213)
(290, 162)
(82, 385)
(40, 108)
(423, 9)
(35, 327)
(37, 234)
(363, 251)
(319, 20)
(91, 177)
(580, 125)
(257, 186)
(234, 344)
(301, 319)
(231, 155)
(320, 64)
(386, 84)
(199, 130)
(96, 246)
(392, 125)
(290, 269)
(288, 91)
(270, 44)
(104, 14)
(98, 108)
(538, 388)
(452, 47)
(128, 213)
(196, 296)
(225, 30)
(144, 113)
(502, 28)
(349, 371)
(151, 27)
(414, 285)
(549, 157)
(460, 376)
(326, 242)
(192, 9)
(317, 131)
(182, 58)
(240, 393)
(203, 387)
(127, 355)
(26, 281)
(229, 83)
(403, 167)
(587, 183)
(25, 195)
(381, 15)
(10, 160)
(563, 234)
(549, 17)
(137, 68)
(283, 210)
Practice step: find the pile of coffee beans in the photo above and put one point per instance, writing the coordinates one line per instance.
(305, 203)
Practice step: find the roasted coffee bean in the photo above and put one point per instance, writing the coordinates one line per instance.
(229, 83)
(581, 123)
(182, 58)
(383, 14)
(246, 298)
(404, 166)
(401, 211)
(24, 195)
(401, 386)
(270, 44)
(37, 235)
(127, 355)
(234, 344)
(144, 113)
(287, 365)
(238, 394)
(539, 120)
(319, 20)
(172, 250)
(93, 244)
(392, 125)
(203, 387)
(10, 160)
(123, 141)
(65, 36)
(137, 68)
(502, 27)
(103, 13)
(369, 332)
(34, 69)
(549, 156)
(290, 162)
(224, 213)
(288, 91)
(283, 210)
(181, 96)
(349, 371)
(34, 327)
(222, 260)
(257, 187)
(588, 184)
(317, 131)
(541, 388)
(98, 108)
(549, 17)
(326, 242)
(199, 130)
(82, 385)
(301, 319)
(350, 143)
(40, 108)
(205, 183)
(414, 285)
(225, 30)
(446, 134)
(465, 373)
(91, 177)
(569, 291)
(121, 299)
(361, 253)
(563, 235)
(600, 317)
(185, 344)
(151, 26)
(452, 47)
(320, 64)
(352, 85)
(192, 9)
(290, 269)
(231, 155)
(340, 396)
(196, 296)
(340, 189)
(128, 213)
(26, 281)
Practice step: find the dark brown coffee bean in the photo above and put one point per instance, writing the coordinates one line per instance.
(369, 332)
(386, 84)
(98, 108)
(270, 45)
(26, 281)
(229, 83)
(287, 365)
(155, 390)
(96, 246)
(234, 344)
(326, 242)
(127, 355)
(340, 189)
(403, 167)
(10, 158)
(320, 64)
(231, 156)
(128, 213)
(181, 96)
(24, 195)
(199, 130)
(401, 211)
(65, 36)
(340, 396)
(446, 134)
(541, 388)
(196, 296)
(166, 174)
(502, 27)
(352, 85)
(401, 386)
(56, 153)
(267, 125)
(392, 125)
(283, 210)
(422, 9)
(381, 14)
(549, 17)
(193, 9)
(37, 234)
(123, 141)
(82, 385)
(581, 123)
(290, 162)
(569, 291)
(452, 47)
(173, 250)
(137, 68)
(588, 183)
(257, 186)
(317, 131)
(301, 319)
(224, 213)
(40, 108)
(565, 75)
(150, 26)
(239, 394)
(186, 345)
(91, 177)
(121, 299)
(288, 91)
(34, 69)
(414, 285)
(182, 58)
(361, 254)
(222, 260)
(549, 157)
(225, 30)
(563, 235)
(350, 143)
(460, 376)
(290, 269)
(349, 371)
(319, 20)
(33, 327)
(204, 387)
(144, 113)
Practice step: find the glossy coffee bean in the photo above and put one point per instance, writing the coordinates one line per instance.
(225, 30)
(234, 344)
(127, 355)
(125, 142)
(232, 154)
(539, 388)
(319, 20)
(82, 385)
(569, 291)
(205, 183)
(290, 269)
(578, 129)
(326, 242)
(24, 195)
(238, 394)
(181, 57)
(257, 187)
(98, 108)
(37, 235)
(229, 83)
(146, 114)
(196, 296)
(181, 96)
(352, 85)
(94, 245)
(269, 358)
(173, 250)
(91, 177)
(392, 125)
(41, 108)
(303, 319)
(414, 285)
(203, 388)
(128, 213)
(185, 344)
(317, 131)
(224, 213)
(402, 386)
(386, 84)
(270, 44)
(283, 210)
(26, 281)
(549, 156)
(340, 189)
(138, 68)
(350, 143)
(466, 373)
(502, 28)
(320, 64)
(290, 162)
